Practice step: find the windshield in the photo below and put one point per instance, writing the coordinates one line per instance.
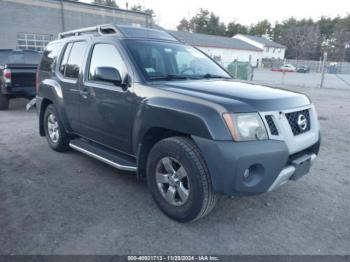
(168, 61)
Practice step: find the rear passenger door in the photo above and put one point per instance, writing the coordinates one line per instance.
(70, 71)
(105, 107)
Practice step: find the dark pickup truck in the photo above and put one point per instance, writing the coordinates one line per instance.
(17, 75)
(139, 100)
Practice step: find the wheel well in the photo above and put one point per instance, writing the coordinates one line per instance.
(44, 104)
(153, 136)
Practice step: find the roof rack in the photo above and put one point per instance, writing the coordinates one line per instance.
(107, 29)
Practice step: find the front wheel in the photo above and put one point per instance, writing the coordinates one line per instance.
(179, 179)
(55, 133)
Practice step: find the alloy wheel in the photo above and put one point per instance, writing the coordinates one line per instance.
(172, 181)
(52, 127)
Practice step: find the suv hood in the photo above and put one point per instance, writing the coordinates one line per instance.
(242, 96)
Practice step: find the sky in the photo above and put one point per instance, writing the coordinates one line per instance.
(246, 12)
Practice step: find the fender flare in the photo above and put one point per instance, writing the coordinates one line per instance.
(52, 91)
(189, 116)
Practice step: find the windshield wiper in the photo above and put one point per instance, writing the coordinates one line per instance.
(168, 77)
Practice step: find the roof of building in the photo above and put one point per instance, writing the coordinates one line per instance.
(106, 7)
(212, 41)
(263, 40)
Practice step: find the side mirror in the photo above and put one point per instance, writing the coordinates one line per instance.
(108, 74)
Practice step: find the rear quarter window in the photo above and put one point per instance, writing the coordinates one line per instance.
(73, 59)
(50, 57)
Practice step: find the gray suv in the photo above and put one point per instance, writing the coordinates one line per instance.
(141, 101)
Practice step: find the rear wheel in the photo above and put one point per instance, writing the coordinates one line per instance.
(179, 179)
(56, 136)
(4, 102)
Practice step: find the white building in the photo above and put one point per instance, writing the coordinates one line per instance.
(271, 49)
(223, 49)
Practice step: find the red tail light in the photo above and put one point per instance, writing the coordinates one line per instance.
(37, 81)
(7, 75)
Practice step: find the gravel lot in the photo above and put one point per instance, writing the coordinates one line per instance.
(53, 203)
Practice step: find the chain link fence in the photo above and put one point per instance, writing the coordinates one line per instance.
(315, 66)
(336, 74)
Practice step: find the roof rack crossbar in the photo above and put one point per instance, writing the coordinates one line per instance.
(100, 29)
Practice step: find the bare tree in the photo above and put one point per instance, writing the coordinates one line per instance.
(302, 40)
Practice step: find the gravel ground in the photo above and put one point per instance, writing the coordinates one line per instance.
(53, 203)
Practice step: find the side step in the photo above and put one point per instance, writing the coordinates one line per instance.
(106, 155)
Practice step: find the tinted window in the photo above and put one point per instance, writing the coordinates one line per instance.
(32, 57)
(65, 58)
(50, 57)
(71, 68)
(105, 55)
(19, 57)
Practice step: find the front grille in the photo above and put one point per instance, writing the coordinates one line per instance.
(293, 119)
(272, 126)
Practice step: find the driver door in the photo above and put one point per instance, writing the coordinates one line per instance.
(105, 108)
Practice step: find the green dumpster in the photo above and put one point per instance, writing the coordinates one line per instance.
(241, 70)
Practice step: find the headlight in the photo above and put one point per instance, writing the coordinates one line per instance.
(245, 126)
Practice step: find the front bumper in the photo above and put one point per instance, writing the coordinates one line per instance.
(269, 163)
(297, 169)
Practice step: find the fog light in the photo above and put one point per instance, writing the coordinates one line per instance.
(246, 173)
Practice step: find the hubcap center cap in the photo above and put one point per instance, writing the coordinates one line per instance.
(173, 180)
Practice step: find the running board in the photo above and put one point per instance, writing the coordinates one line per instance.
(108, 156)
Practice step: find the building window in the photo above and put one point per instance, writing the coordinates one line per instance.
(36, 42)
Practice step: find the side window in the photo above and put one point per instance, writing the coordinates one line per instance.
(73, 60)
(106, 55)
(50, 56)
(65, 59)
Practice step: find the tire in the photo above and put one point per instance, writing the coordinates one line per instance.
(4, 102)
(55, 134)
(179, 156)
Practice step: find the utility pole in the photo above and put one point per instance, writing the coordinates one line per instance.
(62, 16)
(323, 69)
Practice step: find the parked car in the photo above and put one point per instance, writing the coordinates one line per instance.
(17, 75)
(285, 68)
(303, 69)
(139, 100)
